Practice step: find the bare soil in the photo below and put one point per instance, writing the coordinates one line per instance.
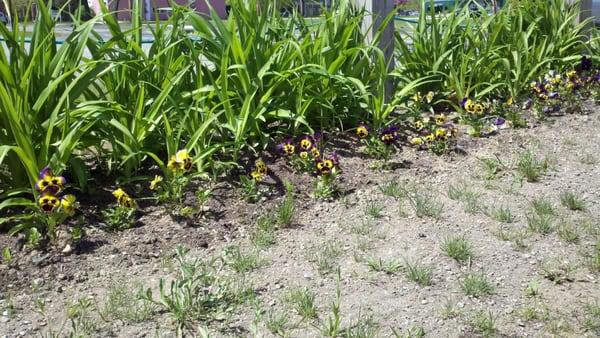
(509, 255)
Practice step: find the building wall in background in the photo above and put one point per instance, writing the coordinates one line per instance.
(149, 7)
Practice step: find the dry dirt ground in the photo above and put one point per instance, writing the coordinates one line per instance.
(344, 267)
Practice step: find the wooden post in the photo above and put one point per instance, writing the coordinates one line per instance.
(377, 11)
(381, 9)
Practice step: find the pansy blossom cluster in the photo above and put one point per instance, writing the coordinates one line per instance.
(479, 119)
(380, 144)
(123, 199)
(327, 171)
(588, 76)
(419, 99)
(50, 188)
(492, 125)
(389, 135)
(180, 162)
(423, 102)
(433, 133)
(259, 171)
(171, 186)
(304, 153)
(556, 91)
(547, 96)
(327, 165)
(249, 182)
(473, 108)
(123, 215)
(548, 88)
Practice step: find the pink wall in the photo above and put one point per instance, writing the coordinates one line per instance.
(201, 6)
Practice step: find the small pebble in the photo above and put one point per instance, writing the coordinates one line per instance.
(67, 249)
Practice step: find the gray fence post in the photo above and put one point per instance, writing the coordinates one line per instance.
(377, 11)
(381, 9)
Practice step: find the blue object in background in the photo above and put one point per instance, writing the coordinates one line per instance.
(3, 18)
(596, 10)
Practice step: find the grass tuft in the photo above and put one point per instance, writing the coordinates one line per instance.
(123, 303)
(363, 327)
(533, 312)
(588, 158)
(264, 235)
(530, 167)
(532, 289)
(541, 218)
(557, 270)
(457, 247)
(572, 201)
(471, 199)
(413, 332)
(390, 267)
(449, 310)
(287, 208)
(277, 323)
(592, 259)
(374, 209)
(456, 191)
(484, 323)
(502, 214)
(199, 292)
(425, 203)
(492, 167)
(476, 285)
(325, 256)
(541, 224)
(418, 273)
(239, 261)
(568, 232)
(591, 322)
(302, 301)
(364, 227)
(542, 207)
(393, 189)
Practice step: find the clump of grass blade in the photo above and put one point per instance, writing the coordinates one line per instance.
(572, 201)
(457, 247)
(530, 167)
